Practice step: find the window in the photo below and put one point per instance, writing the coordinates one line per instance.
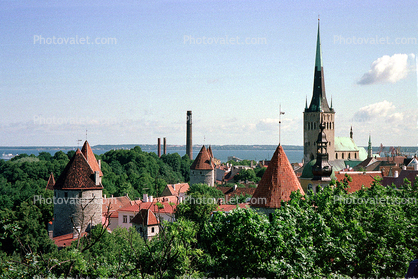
(349, 155)
(152, 229)
(125, 219)
(342, 155)
(355, 155)
(336, 155)
(130, 219)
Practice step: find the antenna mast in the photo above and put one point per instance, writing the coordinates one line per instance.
(280, 120)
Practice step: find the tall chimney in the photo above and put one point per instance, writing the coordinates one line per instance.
(189, 144)
(165, 146)
(159, 147)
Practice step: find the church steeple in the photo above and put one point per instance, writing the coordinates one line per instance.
(319, 101)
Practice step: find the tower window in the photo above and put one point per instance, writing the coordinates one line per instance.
(355, 155)
(336, 155)
(125, 219)
(342, 155)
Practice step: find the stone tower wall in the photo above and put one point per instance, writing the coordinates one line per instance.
(68, 205)
(311, 121)
(202, 176)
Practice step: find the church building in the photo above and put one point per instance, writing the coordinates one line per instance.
(319, 111)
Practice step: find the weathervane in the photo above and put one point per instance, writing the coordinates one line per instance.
(280, 119)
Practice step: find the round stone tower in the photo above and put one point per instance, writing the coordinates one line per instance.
(78, 194)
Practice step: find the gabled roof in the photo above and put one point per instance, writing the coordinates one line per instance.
(91, 159)
(175, 189)
(277, 183)
(145, 217)
(202, 161)
(345, 144)
(51, 182)
(77, 175)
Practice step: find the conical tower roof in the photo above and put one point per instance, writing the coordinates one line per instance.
(51, 182)
(91, 159)
(277, 183)
(210, 151)
(77, 175)
(203, 161)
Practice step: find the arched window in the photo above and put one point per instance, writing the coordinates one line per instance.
(342, 155)
(336, 155)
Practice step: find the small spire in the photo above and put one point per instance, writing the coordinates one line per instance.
(331, 101)
(318, 58)
(351, 132)
(306, 102)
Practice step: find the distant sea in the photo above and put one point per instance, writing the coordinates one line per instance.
(250, 152)
(222, 152)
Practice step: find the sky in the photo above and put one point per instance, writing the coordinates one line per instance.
(128, 71)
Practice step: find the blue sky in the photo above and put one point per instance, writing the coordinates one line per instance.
(138, 86)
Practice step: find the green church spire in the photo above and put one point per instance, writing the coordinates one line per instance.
(319, 101)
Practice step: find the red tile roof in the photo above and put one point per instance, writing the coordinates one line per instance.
(113, 204)
(66, 239)
(358, 180)
(91, 159)
(51, 182)
(175, 189)
(77, 175)
(145, 217)
(202, 161)
(210, 151)
(229, 207)
(135, 206)
(277, 183)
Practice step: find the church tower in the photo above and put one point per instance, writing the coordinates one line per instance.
(317, 110)
(369, 148)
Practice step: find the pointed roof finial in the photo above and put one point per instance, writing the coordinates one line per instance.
(318, 58)
(306, 102)
(280, 119)
(331, 101)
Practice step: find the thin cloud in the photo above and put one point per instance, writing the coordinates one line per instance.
(374, 111)
(388, 69)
